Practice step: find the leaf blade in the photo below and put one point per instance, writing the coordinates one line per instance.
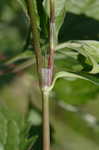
(81, 75)
(89, 49)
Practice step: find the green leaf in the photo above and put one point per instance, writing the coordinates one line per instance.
(59, 12)
(72, 91)
(89, 49)
(9, 129)
(24, 55)
(87, 7)
(13, 131)
(43, 20)
(81, 75)
(66, 59)
(3, 128)
(23, 6)
(28, 143)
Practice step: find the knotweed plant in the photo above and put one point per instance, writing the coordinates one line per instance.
(45, 19)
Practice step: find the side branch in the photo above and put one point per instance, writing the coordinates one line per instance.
(36, 36)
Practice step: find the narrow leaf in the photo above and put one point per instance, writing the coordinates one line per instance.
(59, 12)
(81, 75)
(24, 55)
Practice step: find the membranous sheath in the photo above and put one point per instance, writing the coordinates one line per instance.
(46, 77)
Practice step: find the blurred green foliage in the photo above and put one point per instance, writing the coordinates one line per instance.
(71, 130)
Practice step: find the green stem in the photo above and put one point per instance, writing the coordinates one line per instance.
(46, 129)
(36, 37)
(48, 77)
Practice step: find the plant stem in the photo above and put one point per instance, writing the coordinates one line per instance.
(52, 35)
(47, 76)
(36, 36)
(45, 119)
